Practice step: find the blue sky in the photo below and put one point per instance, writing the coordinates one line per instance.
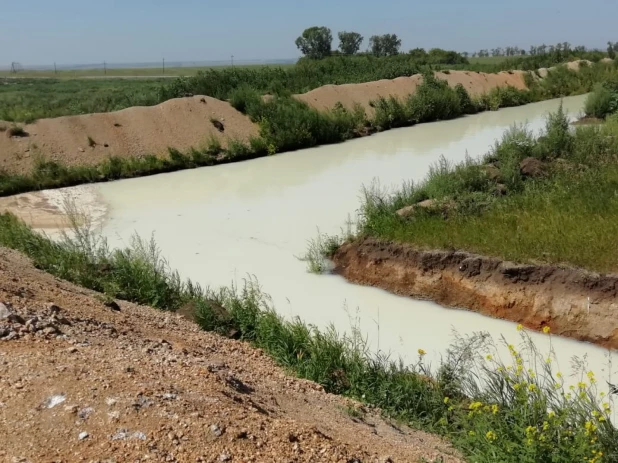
(89, 31)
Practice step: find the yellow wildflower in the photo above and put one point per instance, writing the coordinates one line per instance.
(530, 430)
(531, 387)
(550, 415)
(489, 357)
(490, 435)
(520, 327)
(581, 385)
(421, 352)
(602, 394)
(475, 405)
(546, 329)
(545, 425)
(516, 386)
(494, 409)
(559, 375)
(557, 385)
(471, 433)
(590, 375)
(446, 399)
(548, 360)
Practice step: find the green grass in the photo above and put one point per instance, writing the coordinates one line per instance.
(493, 60)
(524, 412)
(129, 72)
(25, 100)
(568, 216)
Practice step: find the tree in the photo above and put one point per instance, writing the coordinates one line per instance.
(350, 42)
(611, 50)
(315, 42)
(385, 45)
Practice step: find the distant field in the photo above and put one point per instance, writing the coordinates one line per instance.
(487, 60)
(129, 72)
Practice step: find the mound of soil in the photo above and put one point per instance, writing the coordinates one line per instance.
(89, 139)
(82, 381)
(476, 83)
(572, 302)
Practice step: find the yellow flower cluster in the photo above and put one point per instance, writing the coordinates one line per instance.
(491, 436)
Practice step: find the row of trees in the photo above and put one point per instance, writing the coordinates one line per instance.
(543, 49)
(316, 43)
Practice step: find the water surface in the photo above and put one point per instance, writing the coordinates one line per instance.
(217, 225)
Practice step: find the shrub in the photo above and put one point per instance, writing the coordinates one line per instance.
(601, 102)
(434, 100)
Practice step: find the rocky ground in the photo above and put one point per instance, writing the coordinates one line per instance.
(82, 381)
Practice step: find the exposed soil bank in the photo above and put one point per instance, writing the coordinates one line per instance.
(572, 302)
(181, 123)
(136, 384)
(476, 83)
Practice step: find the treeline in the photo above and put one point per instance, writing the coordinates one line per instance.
(560, 47)
(308, 74)
(315, 43)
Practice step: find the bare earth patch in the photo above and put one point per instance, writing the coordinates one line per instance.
(89, 139)
(80, 381)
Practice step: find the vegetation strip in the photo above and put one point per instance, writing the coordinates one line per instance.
(547, 199)
(288, 124)
(524, 412)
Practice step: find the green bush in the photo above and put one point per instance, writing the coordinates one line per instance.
(601, 102)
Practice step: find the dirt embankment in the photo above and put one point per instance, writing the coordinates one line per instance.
(81, 381)
(181, 123)
(476, 83)
(572, 302)
(185, 123)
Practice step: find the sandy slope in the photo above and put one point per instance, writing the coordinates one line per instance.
(181, 123)
(145, 385)
(476, 83)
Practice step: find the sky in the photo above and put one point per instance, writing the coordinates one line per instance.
(39, 32)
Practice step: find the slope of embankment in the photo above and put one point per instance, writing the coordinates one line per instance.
(476, 83)
(89, 139)
(572, 302)
(82, 381)
(185, 123)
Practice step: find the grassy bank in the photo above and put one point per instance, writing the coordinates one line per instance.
(523, 414)
(550, 198)
(287, 124)
(25, 100)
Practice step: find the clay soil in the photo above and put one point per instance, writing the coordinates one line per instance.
(80, 381)
(181, 123)
(572, 302)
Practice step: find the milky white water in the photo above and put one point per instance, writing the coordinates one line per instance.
(219, 224)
